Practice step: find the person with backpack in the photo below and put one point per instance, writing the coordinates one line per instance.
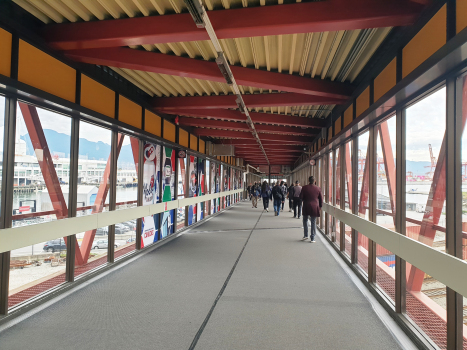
(255, 192)
(284, 192)
(278, 197)
(265, 194)
(290, 197)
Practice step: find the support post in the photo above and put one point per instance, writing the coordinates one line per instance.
(114, 152)
(7, 195)
(454, 129)
(342, 167)
(354, 194)
(372, 203)
(400, 207)
(334, 194)
(139, 221)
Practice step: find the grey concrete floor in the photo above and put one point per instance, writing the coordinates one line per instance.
(281, 293)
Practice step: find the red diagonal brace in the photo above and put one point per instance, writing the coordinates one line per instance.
(363, 204)
(348, 173)
(389, 165)
(88, 239)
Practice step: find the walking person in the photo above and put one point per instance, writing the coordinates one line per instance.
(248, 189)
(297, 202)
(290, 197)
(284, 191)
(278, 197)
(265, 194)
(254, 198)
(312, 203)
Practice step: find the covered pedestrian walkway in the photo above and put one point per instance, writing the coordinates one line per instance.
(241, 280)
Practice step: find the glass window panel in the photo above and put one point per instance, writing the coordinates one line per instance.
(2, 130)
(125, 240)
(426, 180)
(385, 271)
(94, 162)
(43, 141)
(363, 187)
(386, 173)
(127, 175)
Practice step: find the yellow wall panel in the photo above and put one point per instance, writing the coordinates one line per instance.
(202, 146)
(130, 112)
(427, 41)
(46, 73)
(97, 97)
(363, 101)
(337, 126)
(5, 52)
(193, 142)
(169, 131)
(348, 115)
(152, 123)
(183, 137)
(385, 80)
(461, 14)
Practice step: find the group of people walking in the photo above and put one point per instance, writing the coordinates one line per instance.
(305, 201)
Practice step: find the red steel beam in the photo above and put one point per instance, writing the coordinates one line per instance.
(39, 143)
(240, 126)
(198, 69)
(389, 165)
(331, 15)
(256, 117)
(246, 135)
(228, 101)
(348, 173)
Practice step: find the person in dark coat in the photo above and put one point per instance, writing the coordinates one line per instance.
(312, 202)
(278, 197)
(265, 193)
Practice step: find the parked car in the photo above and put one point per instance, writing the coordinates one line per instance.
(102, 244)
(121, 230)
(55, 245)
(102, 231)
(132, 239)
(122, 227)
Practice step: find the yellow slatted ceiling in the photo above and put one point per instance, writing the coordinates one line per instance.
(316, 55)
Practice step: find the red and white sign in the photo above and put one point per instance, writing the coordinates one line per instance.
(24, 208)
(312, 162)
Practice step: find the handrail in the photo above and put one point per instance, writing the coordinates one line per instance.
(18, 237)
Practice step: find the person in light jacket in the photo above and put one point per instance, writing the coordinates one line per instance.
(312, 202)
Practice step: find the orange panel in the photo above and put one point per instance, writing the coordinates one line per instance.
(348, 115)
(337, 126)
(46, 73)
(193, 142)
(183, 137)
(461, 15)
(97, 97)
(5, 52)
(152, 123)
(385, 80)
(363, 101)
(129, 112)
(202, 146)
(427, 41)
(169, 131)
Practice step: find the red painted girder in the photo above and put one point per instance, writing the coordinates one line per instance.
(198, 69)
(364, 193)
(252, 100)
(248, 135)
(256, 117)
(39, 143)
(389, 165)
(331, 15)
(269, 151)
(240, 126)
(99, 202)
(266, 144)
(348, 173)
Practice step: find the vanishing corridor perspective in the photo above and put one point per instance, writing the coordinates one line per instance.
(159, 160)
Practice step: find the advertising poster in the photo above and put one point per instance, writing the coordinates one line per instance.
(201, 189)
(226, 185)
(192, 188)
(213, 186)
(168, 190)
(151, 183)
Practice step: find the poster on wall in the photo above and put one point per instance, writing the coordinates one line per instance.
(151, 183)
(226, 185)
(201, 190)
(192, 188)
(168, 190)
(213, 187)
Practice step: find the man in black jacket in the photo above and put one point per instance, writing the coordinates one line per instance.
(278, 197)
(290, 197)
